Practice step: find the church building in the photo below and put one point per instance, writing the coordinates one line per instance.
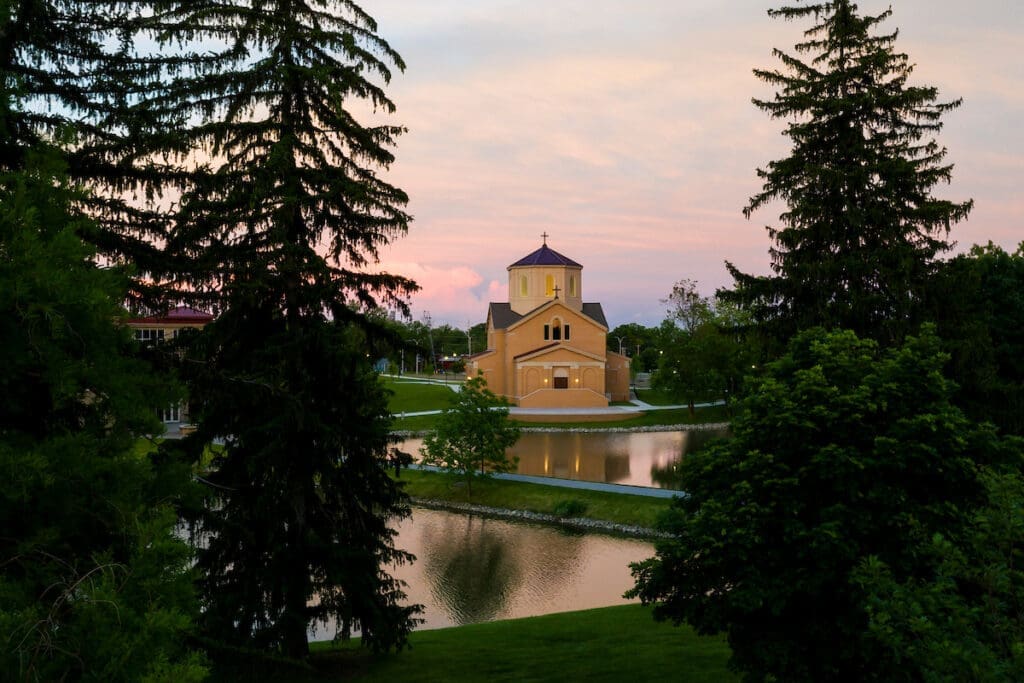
(546, 348)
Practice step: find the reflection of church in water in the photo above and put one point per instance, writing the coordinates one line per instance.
(565, 456)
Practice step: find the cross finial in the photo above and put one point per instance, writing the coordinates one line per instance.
(557, 290)
(545, 236)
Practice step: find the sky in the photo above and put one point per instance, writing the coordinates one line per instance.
(625, 131)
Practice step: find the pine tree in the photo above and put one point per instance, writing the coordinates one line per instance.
(861, 228)
(73, 79)
(278, 232)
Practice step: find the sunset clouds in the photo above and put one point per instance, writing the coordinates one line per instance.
(626, 131)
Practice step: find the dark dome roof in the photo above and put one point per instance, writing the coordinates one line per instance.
(545, 256)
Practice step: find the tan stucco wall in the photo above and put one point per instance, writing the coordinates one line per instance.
(536, 287)
(617, 382)
(560, 398)
(585, 334)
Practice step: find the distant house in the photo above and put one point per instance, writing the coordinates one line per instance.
(546, 348)
(158, 328)
(167, 326)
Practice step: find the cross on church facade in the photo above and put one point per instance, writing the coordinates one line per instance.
(557, 290)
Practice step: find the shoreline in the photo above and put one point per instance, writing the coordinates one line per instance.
(704, 426)
(575, 523)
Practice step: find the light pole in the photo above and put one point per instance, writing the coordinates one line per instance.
(620, 343)
(430, 335)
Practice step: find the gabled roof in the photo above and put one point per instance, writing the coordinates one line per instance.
(595, 313)
(545, 256)
(556, 346)
(181, 314)
(502, 315)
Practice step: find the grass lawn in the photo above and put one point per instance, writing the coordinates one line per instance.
(656, 398)
(610, 644)
(411, 397)
(515, 495)
(649, 419)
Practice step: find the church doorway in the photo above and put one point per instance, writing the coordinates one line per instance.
(561, 378)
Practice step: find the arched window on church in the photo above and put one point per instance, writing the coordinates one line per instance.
(556, 329)
(549, 285)
(572, 285)
(522, 285)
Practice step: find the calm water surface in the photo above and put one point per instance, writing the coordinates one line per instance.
(471, 569)
(639, 459)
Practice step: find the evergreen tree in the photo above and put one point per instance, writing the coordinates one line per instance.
(278, 232)
(861, 228)
(71, 67)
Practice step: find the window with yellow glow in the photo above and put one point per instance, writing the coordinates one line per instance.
(572, 285)
(522, 285)
(549, 285)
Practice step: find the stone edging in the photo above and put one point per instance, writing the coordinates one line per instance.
(580, 523)
(414, 434)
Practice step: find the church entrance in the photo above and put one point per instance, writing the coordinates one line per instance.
(561, 378)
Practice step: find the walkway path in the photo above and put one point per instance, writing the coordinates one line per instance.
(648, 491)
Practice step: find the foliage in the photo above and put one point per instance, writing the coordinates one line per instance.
(977, 300)
(94, 584)
(842, 452)
(965, 622)
(861, 228)
(473, 435)
(639, 342)
(280, 232)
(704, 352)
(572, 507)
(69, 67)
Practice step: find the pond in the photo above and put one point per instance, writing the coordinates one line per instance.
(471, 569)
(635, 458)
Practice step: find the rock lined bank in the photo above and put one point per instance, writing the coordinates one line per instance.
(709, 426)
(578, 523)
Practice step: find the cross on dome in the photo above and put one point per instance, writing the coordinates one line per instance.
(545, 236)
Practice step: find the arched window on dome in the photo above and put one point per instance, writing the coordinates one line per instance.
(572, 285)
(549, 285)
(522, 285)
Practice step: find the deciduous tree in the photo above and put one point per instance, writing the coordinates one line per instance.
(977, 301)
(94, 582)
(842, 452)
(473, 436)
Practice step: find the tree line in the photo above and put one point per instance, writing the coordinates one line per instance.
(865, 522)
(217, 155)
